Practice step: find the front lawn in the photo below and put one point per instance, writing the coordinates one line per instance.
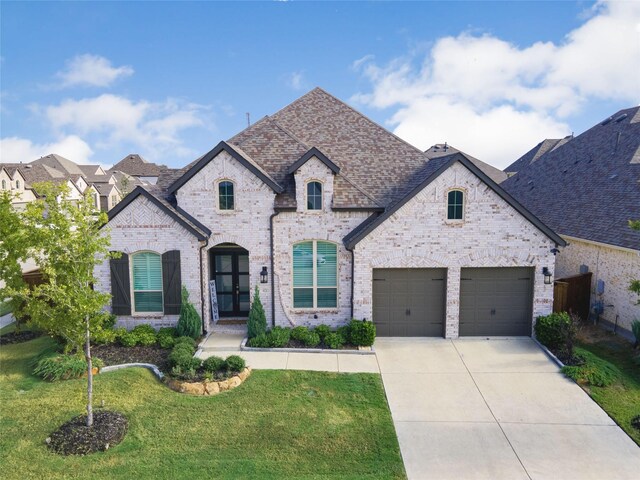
(621, 400)
(278, 424)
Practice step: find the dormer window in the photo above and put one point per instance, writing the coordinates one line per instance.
(4, 184)
(226, 200)
(314, 196)
(455, 202)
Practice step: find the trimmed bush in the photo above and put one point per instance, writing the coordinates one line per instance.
(322, 331)
(167, 337)
(213, 364)
(345, 333)
(261, 341)
(145, 335)
(105, 336)
(128, 339)
(180, 356)
(299, 333)
(189, 323)
(235, 363)
(63, 367)
(257, 321)
(278, 337)
(311, 339)
(594, 371)
(556, 332)
(362, 333)
(186, 341)
(334, 340)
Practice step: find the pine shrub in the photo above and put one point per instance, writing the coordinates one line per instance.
(257, 322)
(189, 323)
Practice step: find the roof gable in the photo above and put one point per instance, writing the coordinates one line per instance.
(314, 152)
(430, 173)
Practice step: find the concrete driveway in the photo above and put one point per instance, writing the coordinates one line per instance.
(496, 409)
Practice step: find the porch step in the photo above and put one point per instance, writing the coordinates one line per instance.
(230, 328)
(232, 321)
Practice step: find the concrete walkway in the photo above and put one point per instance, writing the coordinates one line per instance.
(224, 345)
(496, 409)
(6, 320)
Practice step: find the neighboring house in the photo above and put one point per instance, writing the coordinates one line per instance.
(587, 188)
(443, 149)
(333, 217)
(145, 172)
(12, 180)
(110, 195)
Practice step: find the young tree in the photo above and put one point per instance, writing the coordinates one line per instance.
(67, 244)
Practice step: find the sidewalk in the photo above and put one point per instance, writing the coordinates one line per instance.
(223, 345)
(6, 320)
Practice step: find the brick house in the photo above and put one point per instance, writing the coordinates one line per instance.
(333, 217)
(587, 189)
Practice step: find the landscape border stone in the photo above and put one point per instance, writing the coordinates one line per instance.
(154, 369)
(208, 387)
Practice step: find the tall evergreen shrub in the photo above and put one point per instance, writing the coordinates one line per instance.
(257, 323)
(189, 323)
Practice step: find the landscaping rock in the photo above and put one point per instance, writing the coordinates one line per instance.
(75, 438)
(224, 385)
(234, 382)
(207, 387)
(193, 388)
(211, 388)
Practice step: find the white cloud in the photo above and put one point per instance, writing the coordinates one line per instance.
(91, 70)
(15, 149)
(296, 81)
(496, 100)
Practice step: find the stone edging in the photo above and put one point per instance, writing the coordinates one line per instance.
(244, 348)
(154, 369)
(548, 352)
(206, 387)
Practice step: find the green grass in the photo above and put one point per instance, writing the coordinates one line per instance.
(278, 424)
(621, 399)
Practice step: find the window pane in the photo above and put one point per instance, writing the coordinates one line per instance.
(327, 297)
(225, 195)
(451, 212)
(225, 302)
(147, 271)
(327, 264)
(148, 301)
(455, 200)
(303, 264)
(243, 263)
(224, 283)
(303, 297)
(314, 196)
(458, 212)
(223, 263)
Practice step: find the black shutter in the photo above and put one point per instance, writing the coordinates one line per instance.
(120, 286)
(171, 282)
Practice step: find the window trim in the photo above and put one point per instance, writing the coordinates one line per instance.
(463, 205)
(314, 278)
(134, 312)
(306, 195)
(235, 203)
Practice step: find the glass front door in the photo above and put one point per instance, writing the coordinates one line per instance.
(230, 270)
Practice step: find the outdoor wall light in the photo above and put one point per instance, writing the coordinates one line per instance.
(547, 275)
(264, 275)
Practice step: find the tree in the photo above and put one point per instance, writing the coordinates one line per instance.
(257, 322)
(66, 242)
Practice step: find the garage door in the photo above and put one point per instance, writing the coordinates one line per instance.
(409, 302)
(496, 301)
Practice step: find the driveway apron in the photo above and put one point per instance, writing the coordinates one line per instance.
(478, 408)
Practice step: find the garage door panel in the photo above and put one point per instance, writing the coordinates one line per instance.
(496, 301)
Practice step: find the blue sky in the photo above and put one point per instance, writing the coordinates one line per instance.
(96, 81)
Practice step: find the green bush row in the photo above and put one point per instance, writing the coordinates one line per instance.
(63, 367)
(144, 335)
(357, 333)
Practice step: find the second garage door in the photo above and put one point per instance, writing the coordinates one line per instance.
(409, 302)
(496, 301)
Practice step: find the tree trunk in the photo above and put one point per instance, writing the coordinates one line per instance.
(87, 354)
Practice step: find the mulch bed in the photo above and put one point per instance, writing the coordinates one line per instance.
(18, 337)
(635, 422)
(116, 354)
(75, 438)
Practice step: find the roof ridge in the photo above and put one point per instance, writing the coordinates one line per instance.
(287, 132)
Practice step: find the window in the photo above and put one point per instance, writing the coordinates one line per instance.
(96, 201)
(315, 275)
(17, 184)
(4, 184)
(147, 282)
(225, 195)
(314, 196)
(455, 200)
(114, 200)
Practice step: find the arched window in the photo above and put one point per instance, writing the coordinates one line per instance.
(314, 196)
(17, 184)
(226, 200)
(315, 275)
(147, 282)
(4, 184)
(455, 203)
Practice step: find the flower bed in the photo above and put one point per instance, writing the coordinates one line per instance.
(208, 387)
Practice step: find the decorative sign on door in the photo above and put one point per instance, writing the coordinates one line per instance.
(214, 301)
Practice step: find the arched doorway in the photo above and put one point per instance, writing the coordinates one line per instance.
(229, 267)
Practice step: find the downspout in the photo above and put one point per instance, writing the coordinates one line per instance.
(273, 276)
(353, 268)
(202, 247)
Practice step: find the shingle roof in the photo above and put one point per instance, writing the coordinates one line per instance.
(443, 149)
(135, 165)
(536, 152)
(37, 173)
(60, 163)
(589, 187)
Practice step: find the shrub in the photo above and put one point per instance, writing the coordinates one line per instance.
(635, 328)
(261, 341)
(311, 339)
(213, 364)
(167, 337)
(189, 323)
(186, 341)
(334, 340)
(145, 335)
(128, 339)
(557, 332)
(322, 331)
(278, 337)
(105, 336)
(594, 371)
(362, 333)
(299, 333)
(179, 357)
(345, 333)
(257, 322)
(235, 363)
(63, 367)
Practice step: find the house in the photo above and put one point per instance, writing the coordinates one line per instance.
(134, 165)
(332, 217)
(587, 189)
(12, 180)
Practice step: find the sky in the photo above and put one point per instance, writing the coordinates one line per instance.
(95, 81)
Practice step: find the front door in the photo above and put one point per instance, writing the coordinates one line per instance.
(230, 270)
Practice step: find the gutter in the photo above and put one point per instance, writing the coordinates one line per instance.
(273, 275)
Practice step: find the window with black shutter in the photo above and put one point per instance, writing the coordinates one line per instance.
(120, 285)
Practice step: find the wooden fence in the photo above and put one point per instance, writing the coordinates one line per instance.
(573, 295)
